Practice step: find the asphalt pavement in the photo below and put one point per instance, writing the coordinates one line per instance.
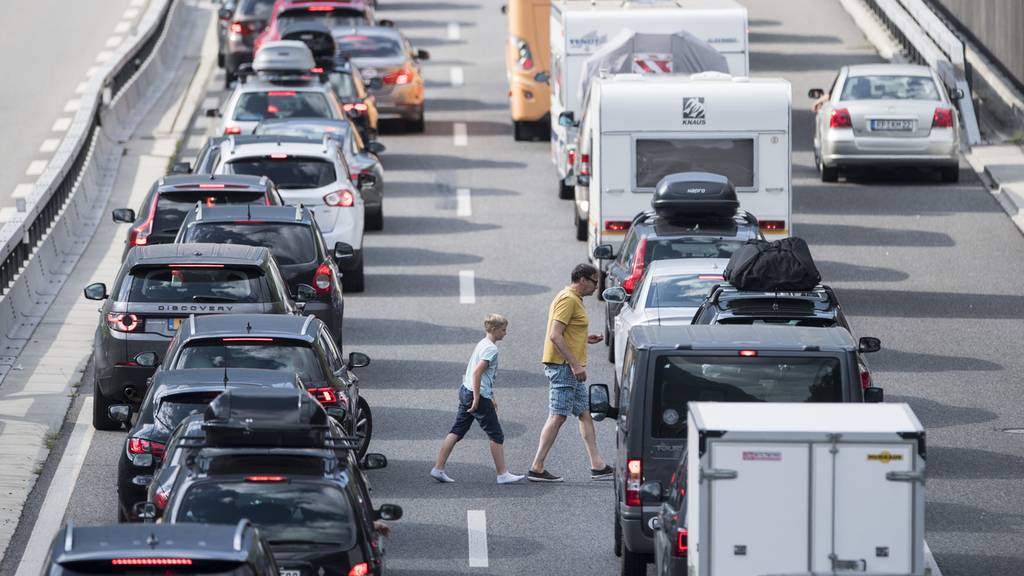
(932, 269)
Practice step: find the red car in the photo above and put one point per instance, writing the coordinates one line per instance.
(333, 13)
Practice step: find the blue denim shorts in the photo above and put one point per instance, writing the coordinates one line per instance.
(567, 395)
(485, 414)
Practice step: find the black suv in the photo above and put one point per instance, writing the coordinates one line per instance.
(666, 367)
(264, 457)
(299, 345)
(292, 236)
(156, 289)
(171, 398)
(170, 197)
(237, 550)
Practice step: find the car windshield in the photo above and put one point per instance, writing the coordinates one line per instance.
(174, 408)
(362, 46)
(682, 379)
(290, 357)
(171, 207)
(678, 248)
(889, 88)
(682, 291)
(211, 283)
(285, 510)
(343, 83)
(289, 243)
(256, 106)
(301, 129)
(289, 173)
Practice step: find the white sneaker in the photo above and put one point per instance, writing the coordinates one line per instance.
(509, 478)
(441, 476)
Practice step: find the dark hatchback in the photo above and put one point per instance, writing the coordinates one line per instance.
(171, 197)
(157, 288)
(240, 21)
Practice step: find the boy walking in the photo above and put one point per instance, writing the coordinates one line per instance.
(476, 401)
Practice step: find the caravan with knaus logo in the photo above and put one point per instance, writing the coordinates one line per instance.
(579, 28)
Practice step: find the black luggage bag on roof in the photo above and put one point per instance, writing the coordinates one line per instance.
(780, 266)
(265, 417)
(689, 194)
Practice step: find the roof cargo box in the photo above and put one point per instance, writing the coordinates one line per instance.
(283, 56)
(315, 35)
(687, 194)
(266, 418)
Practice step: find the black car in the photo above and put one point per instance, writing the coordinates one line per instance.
(671, 536)
(221, 550)
(666, 367)
(294, 239)
(171, 197)
(157, 288)
(290, 344)
(256, 462)
(240, 22)
(172, 396)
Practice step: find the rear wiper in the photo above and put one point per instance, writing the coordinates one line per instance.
(211, 298)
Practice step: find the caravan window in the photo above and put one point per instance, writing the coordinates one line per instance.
(659, 157)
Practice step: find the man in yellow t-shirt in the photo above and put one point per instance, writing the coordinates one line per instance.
(565, 362)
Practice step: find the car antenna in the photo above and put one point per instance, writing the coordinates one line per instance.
(248, 328)
(152, 540)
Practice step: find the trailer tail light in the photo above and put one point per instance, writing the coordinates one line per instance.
(361, 569)
(637, 272)
(840, 118)
(232, 130)
(682, 547)
(122, 322)
(943, 118)
(322, 280)
(399, 77)
(585, 164)
(341, 198)
(772, 226)
(634, 475)
(325, 396)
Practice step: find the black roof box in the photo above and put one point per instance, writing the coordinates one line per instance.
(686, 194)
(266, 418)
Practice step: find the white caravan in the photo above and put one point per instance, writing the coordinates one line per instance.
(579, 27)
(638, 129)
(780, 488)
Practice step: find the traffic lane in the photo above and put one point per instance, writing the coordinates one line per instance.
(55, 42)
(920, 274)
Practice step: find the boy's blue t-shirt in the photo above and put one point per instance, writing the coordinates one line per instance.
(485, 350)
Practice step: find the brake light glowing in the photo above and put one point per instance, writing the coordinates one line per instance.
(748, 353)
(240, 28)
(139, 235)
(160, 499)
(361, 569)
(151, 562)
(398, 77)
(616, 225)
(570, 158)
(321, 8)
(711, 277)
(585, 164)
(322, 280)
(141, 446)
(634, 475)
(211, 186)
(356, 106)
(196, 266)
(281, 93)
(266, 478)
(317, 70)
(279, 156)
(341, 198)
(840, 118)
(637, 272)
(325, 396)
(682, 537)
(122, 322)
(943, 118)
(772, 225)
(247, 339)
(231, 130)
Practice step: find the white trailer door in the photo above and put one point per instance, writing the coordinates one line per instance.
(872, 528)
(760, 519)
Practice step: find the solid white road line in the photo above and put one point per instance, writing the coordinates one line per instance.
(453, 31)
(73, 105)
(122, 27)
(463, 207)
(114, 41)
(457, 76)
(477, 523)
(460, 136)
(50, 145)
(62, 124)
(467, 287)
(51, 514)
(36, 167)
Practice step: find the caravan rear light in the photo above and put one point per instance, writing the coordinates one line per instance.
(616, 225)
(325, 396)
(772, 225)
(585, 164)
(943, 118)
(525, 56)
(570, 158)
(682, 544)
(634, 475)
(840, 118)
(151, 562)
(748, 353)
(232, 130)
(637, 272)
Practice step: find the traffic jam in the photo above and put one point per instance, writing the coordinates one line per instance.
(751, 434)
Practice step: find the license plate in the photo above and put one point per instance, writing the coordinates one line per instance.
(893, 125)
(173, 324)
(291, 573)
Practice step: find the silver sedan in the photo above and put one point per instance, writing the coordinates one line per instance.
(892, 114)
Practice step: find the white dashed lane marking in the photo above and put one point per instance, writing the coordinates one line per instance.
(49, 145)
(467, 287)
(104, 56)
(72, 105)
(36, 168)
(81, 88)
(131, 13)
(463, 205)
(92, 71)
(114, 41)
(122, 27)
(476, 521)
(62, 124)
(457, 76)
(460, 136)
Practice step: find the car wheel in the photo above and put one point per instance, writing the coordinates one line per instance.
(828, 173)
(633, 564)
(520, 131)
(364, 426)
(581, 226)
(950, 173)
(417, 125)
(354, 280)
(565, 192)
(100, 403)
(375, 219)
(618, 533)
(229, 78)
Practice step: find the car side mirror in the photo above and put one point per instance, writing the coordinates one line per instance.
(376, 147)
(147, 359)
(145, 511)
(652, 492)
(956, 94)
(343, 251)
(123, 215)
(375, 84)
(181, 168)
(389, 512)
(604, 252)
(386, 23)
(97, 291)
(374, 461)
(422, 55)
(213, 113)
(119, 412)
(367, 181)
(615, 295)
(304, 293)
(815, 93)
(869, 344)
(358, 360)
(600, 408)
(873, 395)
(567, 119)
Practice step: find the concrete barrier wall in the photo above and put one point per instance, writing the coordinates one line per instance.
(998, 25)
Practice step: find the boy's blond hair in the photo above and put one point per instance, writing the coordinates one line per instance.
(494, 322)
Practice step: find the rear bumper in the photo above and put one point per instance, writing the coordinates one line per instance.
(633, 535)
(939, 148)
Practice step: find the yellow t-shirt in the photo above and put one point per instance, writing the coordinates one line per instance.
(567, 308)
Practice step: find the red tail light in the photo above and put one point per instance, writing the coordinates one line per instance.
(160, 499)
(322, 280)
(355, 106)
(865, 378)
(570, 158)
(748, 353)
(232, 130)
(361, 569)
(616, 225)
(637, 272)
(943, 118)
(682, 537)
(399, 77)
(122, 322)
(266, 478)
(585, 164)
(772, 225)
(240, 28)
(321, 8)
(634, 475)
(139, 235)
(341, 198)
(140, 446)
(840, 118)
(247, 339)
(325, 396)
(151, 562)
(281, 93)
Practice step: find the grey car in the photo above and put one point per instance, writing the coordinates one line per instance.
(239, 23)
(886, 114)
(156, 289)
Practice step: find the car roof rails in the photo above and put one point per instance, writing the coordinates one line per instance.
(286, 61)
(821, 292)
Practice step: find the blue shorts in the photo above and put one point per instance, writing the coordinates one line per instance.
(567, 395)
(485, 414)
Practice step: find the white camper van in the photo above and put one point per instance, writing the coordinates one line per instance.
(580, 27)
(804, 489)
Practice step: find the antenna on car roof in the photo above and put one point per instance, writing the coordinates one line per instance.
(152, 540)
(248, 328)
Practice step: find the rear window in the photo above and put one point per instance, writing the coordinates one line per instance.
(678, 248)
(171, 207)
(171, 410)
(344, 85)
(682, 379)
(290, 173)
(659, 157)
(212, 285)
(683, 291)
(889, 88)
(256, 8)
(256, 106)
(289, 243)
(361, 46)
(289, 357)
(284, 511)
(223, 464)
(336, 18)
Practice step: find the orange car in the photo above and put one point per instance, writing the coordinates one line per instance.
(527, 59)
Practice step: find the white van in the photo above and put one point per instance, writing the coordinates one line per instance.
(579, 27)
(638, 129)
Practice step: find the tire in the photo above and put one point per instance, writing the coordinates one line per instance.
(100, 404)
(364, 426)
(566, 192)
(950, 173)
(354, 280)
(520, 131)
(581, 226)
(418, 125)
(617, 540)
(828, 173)
(633, 564)
(375, 219)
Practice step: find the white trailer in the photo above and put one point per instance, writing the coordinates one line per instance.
(805, 489)
(579, 27)
(638, 128)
